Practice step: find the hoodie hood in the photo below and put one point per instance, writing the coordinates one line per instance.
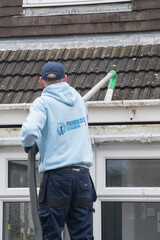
(62, 92)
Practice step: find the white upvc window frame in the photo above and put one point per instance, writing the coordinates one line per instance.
(121, 194)
(14, 153)
(7, 194)
(48, 3)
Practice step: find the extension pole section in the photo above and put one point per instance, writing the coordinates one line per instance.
(99, 85)
(111, 87)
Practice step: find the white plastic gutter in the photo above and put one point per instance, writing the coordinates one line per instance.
(126, 111)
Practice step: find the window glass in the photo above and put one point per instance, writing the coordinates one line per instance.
(133, 173)
(130, 221)
(18, 224)
(18, 174)
(17, 221)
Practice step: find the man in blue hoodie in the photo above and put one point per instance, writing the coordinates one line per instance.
(57, 123)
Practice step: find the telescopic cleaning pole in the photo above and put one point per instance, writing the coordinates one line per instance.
(33, 192)
(111, 76)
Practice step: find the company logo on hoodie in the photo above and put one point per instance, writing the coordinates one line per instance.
(70, 125)
(61, 129)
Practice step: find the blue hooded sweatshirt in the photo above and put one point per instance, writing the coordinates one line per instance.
(57, 122)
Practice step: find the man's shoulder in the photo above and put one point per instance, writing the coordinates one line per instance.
(39, 102)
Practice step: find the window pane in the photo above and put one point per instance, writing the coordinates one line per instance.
(18, 174)
(130, 221)
(17, 221)
(133, 173)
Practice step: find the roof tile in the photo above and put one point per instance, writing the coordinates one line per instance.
(79, 81)
(134, 51)
(106, 52)
(147, 79)
(71, 79)
(74, 66)
(17, 97)
(93, 66)
(2, 68)
(29, 82)
(88, 82)
(130, 65)
(12, 84)
(1, 96)
(17, 68)
(121, 65)
(9, 68)
(124, 80)
(14, 56)
(78, 54)
(23, 55)
(87, 53)
(102, 94)
(50, 55)
(59, 54)
(69, 54)
(138, 71)
(4, 55)
(32, 55)
(155, 50)
(27, 96)
(144, 50)
(115, 52)
(84, 66)
(152, 63)
(7, 98)
(125, 51)
(141, 63)
(137, 79)
(27, 68)
(37, 67)
(112, 65)
(158, 65)
(4, 82)
(102, 66)
(134, 93)
(156, 79)
(154, 93)
(67, 65)
(41, 55)
(144, 92)
(96, 53)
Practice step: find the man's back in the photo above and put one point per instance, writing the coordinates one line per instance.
(60, 117)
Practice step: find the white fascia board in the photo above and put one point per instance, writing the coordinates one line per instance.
(39, 3)
(127, 111)
(13, 114)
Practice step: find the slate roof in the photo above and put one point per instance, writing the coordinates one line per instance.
(137, 67)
